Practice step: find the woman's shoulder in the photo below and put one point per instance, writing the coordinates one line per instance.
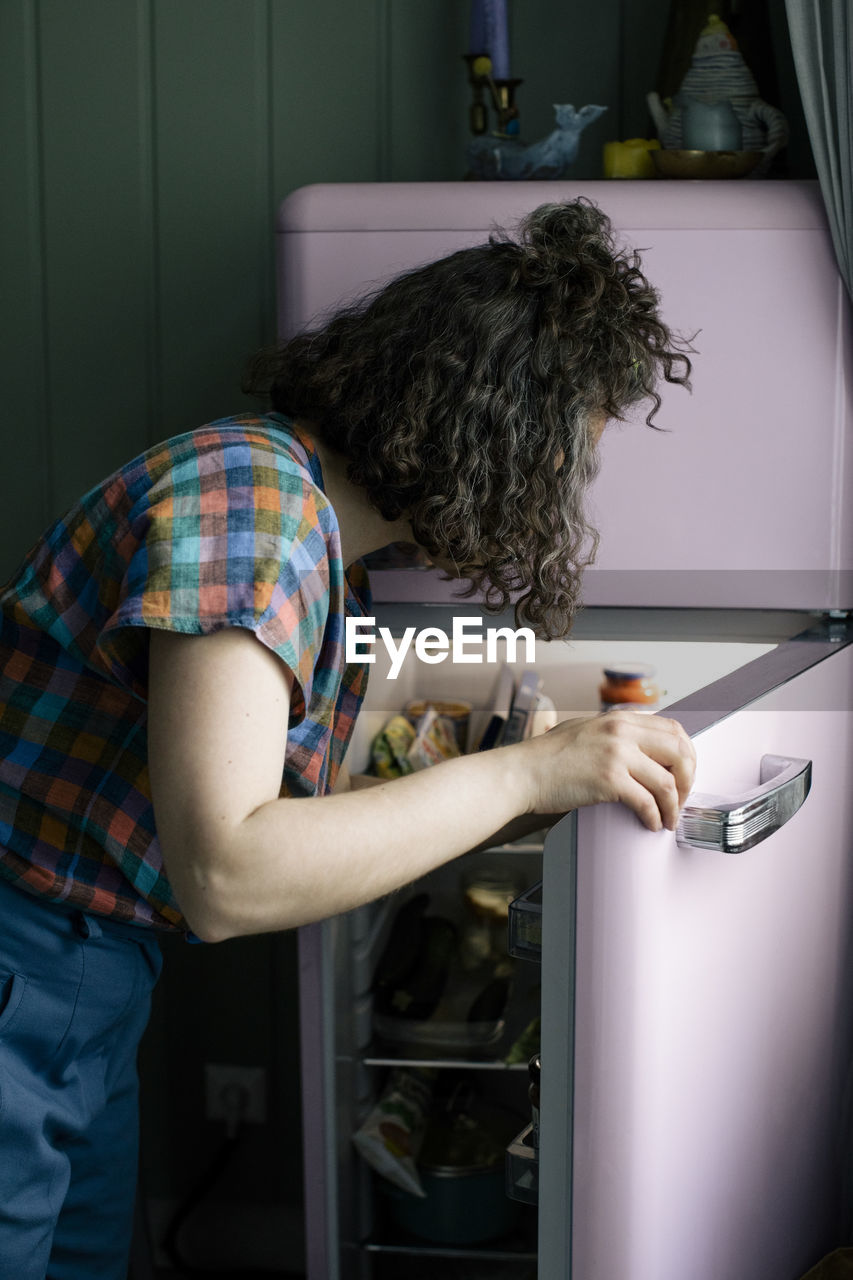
(247, 447)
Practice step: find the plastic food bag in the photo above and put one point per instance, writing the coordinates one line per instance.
(389, 750)
(434, 741)
(391, 1136)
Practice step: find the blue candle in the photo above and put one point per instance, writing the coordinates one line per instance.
(477, 41)
(497, 38)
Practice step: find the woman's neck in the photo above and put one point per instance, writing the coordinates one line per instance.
(363, 529)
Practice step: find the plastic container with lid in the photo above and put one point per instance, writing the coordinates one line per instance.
(631, 685)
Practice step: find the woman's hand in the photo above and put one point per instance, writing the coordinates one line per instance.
(645, 761)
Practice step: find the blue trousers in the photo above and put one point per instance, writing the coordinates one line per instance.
(75, 993)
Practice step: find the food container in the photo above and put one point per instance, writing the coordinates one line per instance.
(456, 711)
(629, 159)
(487, 896)
(630, 684)
(460, 1206)
(463, 1174)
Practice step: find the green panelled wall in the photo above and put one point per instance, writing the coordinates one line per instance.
(144, 148)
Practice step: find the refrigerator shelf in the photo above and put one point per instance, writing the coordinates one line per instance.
(378, 1059)
(511, 1267)
(517, 1248)
(444, 1037)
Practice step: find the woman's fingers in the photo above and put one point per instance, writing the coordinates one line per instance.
(637, 797)
(661, 799)
(646, 762)
(663, 763)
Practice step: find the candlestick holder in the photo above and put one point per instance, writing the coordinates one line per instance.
(501, 93)
(507, 111)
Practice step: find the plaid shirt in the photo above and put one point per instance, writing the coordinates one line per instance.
(227, 526)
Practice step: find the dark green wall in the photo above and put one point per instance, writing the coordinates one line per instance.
(145, 145)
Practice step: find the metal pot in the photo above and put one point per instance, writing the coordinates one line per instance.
(461, 1206)
(462, 1171)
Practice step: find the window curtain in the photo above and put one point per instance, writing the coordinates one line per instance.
(822, 43)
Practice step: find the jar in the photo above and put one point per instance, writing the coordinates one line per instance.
(458, 713)
(487, 896)
(630, 685)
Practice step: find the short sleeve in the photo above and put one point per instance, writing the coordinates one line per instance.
(235, 536)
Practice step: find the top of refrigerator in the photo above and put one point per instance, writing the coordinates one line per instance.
(744, 499)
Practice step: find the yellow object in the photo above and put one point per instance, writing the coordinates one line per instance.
(717, 28)
(629, 159)
(672, 163)
(482, 66)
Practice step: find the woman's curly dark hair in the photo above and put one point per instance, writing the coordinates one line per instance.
(455, 391)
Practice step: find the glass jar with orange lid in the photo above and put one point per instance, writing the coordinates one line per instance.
(630, 685)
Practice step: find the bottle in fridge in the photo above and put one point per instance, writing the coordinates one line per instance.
(694, 989)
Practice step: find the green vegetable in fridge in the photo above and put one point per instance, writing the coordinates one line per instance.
(419, 995)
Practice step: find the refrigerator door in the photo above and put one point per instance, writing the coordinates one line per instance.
(697, 1035)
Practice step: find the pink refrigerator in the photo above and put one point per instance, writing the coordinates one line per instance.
(695, 989)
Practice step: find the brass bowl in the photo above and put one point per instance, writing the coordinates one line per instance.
(704, 164)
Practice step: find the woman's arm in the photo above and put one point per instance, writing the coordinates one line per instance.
(515, 829)
(243, 861)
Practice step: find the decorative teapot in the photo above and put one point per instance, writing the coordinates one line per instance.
(709, 126)
(720, 81)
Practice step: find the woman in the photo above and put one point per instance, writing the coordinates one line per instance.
(174, 647)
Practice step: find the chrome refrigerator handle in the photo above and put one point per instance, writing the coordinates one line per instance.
(731, 826)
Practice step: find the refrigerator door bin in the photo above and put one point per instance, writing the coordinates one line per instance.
(522, 1168)
(525, 925)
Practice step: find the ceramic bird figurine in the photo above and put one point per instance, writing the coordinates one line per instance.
(494, 157)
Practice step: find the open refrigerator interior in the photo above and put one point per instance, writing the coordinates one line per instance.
(467, 1054)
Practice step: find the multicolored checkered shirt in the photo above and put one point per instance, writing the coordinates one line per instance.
(227, 526)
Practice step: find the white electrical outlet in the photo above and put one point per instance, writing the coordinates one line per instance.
(224, 1086)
